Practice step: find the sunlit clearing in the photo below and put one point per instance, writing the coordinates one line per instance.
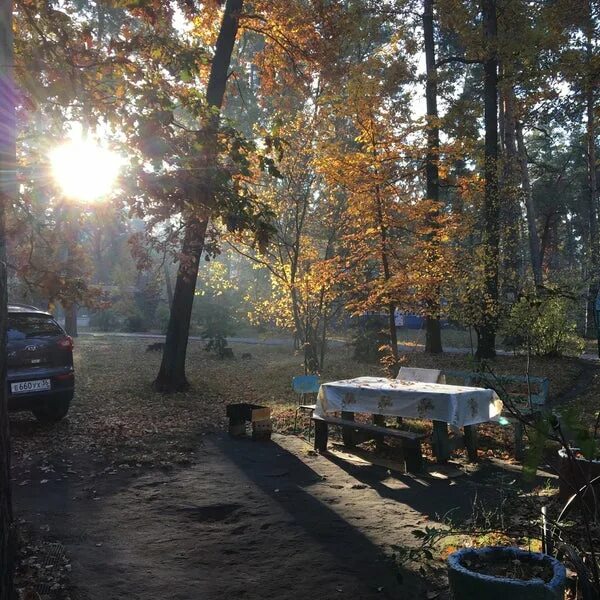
(84, 170)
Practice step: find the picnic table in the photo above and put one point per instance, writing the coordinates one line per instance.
(454, 405)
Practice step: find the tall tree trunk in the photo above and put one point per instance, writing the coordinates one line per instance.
(530, 210)
(511, 206)
(387, 273)
(8, 196)
(592, 178)
(385, 256)
(486, 331)
(71, 319)
(433, 334)
(171, 376)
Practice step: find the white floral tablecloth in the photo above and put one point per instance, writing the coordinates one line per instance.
(454, 404)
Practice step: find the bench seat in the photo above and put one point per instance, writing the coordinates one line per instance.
(527, 394)
(411, 441)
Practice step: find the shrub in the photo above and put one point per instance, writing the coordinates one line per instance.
(546, 325)
(370, 336)
(216, 326)
(161, 318)
(105, 320)
(134, 323)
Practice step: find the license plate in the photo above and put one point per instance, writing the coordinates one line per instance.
(22, 387)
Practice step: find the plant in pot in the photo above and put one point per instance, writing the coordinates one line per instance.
(491, 572)
(498, 572)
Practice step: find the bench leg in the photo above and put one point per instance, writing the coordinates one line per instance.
(348, 436)
(441, 441)
(321, 435)
(379, 420)
(471, 442)
(413, 457)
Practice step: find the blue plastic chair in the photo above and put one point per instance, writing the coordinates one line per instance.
(304, 385)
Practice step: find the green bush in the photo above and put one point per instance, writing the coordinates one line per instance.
(161, 318)
(547, 326)
(370, 336)
(217, 324)
(134, 323)
(105, 320)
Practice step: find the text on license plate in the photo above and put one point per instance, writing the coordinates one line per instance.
(30, 386)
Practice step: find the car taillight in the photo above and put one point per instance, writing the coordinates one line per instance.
(66, 343)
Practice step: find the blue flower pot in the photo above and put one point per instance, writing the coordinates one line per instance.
(470, 585)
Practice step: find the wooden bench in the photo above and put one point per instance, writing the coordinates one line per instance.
(354, 433)
(528, 395)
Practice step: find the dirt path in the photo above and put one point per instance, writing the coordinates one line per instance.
(249, 520)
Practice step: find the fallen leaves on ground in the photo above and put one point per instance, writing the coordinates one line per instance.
(118, 423)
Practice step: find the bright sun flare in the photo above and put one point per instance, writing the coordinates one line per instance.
(84, 170)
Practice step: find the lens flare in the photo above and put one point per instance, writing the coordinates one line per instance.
(84, 170)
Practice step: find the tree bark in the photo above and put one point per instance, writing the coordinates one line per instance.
(387, 272)
(594, 261)
(486, 331)
(433, 334)
(171, 376)
(530, 210)
(8, 196)
(511, 206)
(169, 285)
(71, 319)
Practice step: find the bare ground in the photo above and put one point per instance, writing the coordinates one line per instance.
(249, 520)
(149, 503)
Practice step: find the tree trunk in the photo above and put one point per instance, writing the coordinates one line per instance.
(387, 273)
(511, 206)
(433, 334)
(530, 210)
(71, 319)
(8, 196)
(169, 285)
(486, 331)
(171, 376)
(594, 260)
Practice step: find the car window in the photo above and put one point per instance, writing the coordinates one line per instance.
(21, 327)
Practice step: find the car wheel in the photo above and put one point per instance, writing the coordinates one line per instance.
(53, 410)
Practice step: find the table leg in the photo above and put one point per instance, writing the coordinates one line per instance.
(471, 441)
(441, 441)
(348, 436)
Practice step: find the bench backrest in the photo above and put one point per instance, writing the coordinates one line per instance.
(517, 387)
(305, 384)
(422, 375)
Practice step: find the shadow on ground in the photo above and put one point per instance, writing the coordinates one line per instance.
(249, 520)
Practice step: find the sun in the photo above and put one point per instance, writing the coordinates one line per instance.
(84, 170)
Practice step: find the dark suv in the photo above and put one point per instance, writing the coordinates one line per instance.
(40, 373)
